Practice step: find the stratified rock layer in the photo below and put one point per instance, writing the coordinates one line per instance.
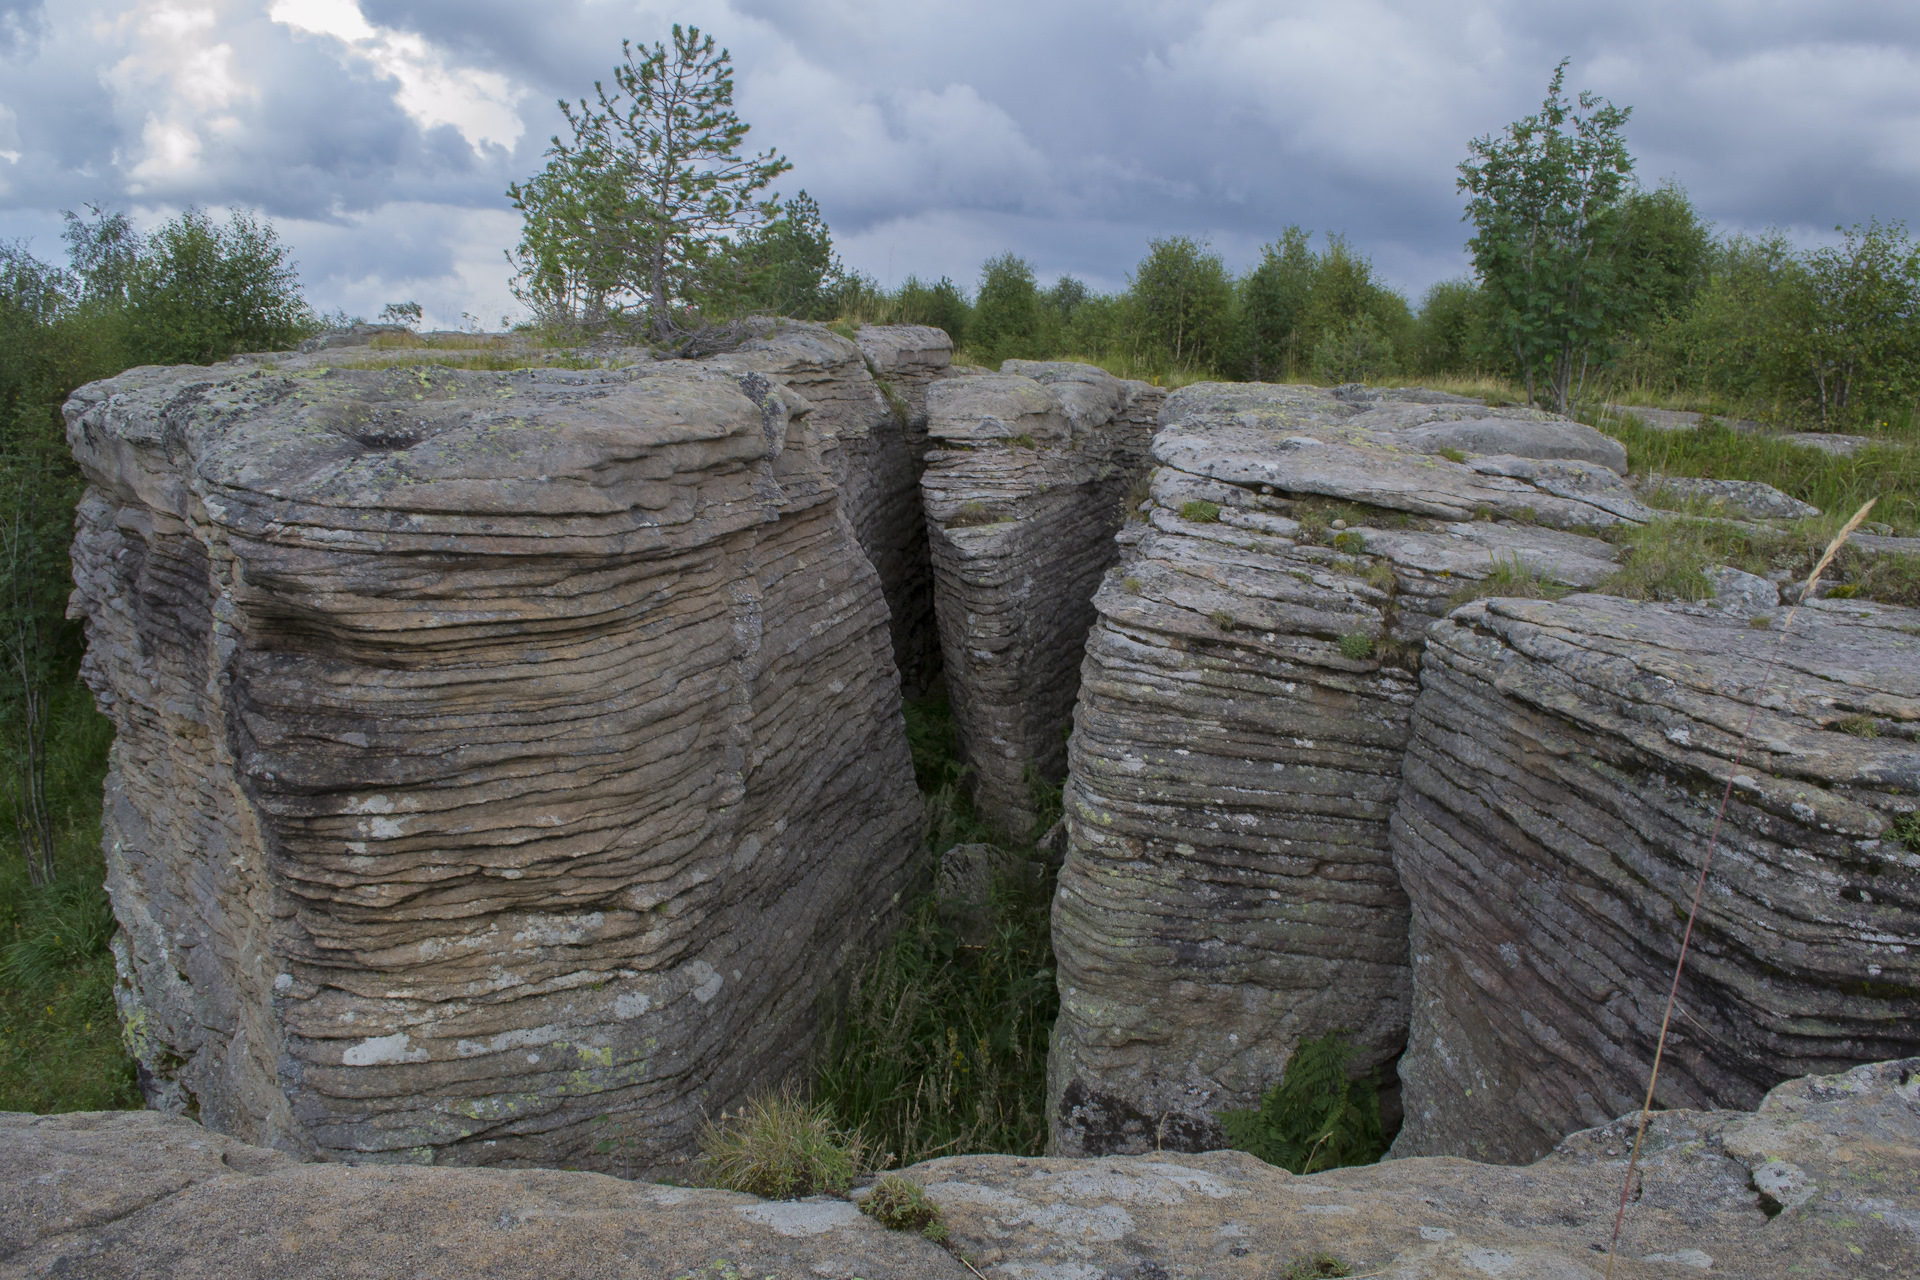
(495, 751)
(869, 407)
(1023, 496)
(1823, 1180)
(1246, 699)
(1567, 765)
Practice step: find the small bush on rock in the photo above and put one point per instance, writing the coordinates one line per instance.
(1200, 512)
(1317, 1117)
(900, 1204)
(1314, 1266)
(1357, 645)
(782, 1147)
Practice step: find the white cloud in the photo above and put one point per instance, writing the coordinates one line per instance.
(482, 105)
(381, 134)
(182, 74)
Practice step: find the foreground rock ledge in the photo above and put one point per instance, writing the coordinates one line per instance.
(1823, 1180)
(494, 751)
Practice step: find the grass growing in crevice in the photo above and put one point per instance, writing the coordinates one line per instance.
(939, 1046)
(1317, 1117)
(1667, 559)
(1511, 576)
(60, 1047)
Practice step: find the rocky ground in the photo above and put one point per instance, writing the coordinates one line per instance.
(1824, 1180)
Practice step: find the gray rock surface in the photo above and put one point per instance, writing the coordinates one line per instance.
(1553, 439)
(494, 750)
(1749, 498)
(1245, 702)
(1560, 790)
(1823, 1180)
(1023, 495)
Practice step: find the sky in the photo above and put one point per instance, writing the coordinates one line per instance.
(380, 135)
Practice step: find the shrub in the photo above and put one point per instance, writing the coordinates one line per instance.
(1315, 1266)
(1358, 351)
(1357, 645)
(1221, 619)
(1317, 1117)
(1200, 512)
(900, 1204)
(781, 1147)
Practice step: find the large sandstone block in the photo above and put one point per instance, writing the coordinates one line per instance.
(495, 750)
(1246, 699)
(1023, 495)
(1567, 762)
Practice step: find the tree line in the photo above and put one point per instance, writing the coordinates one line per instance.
(1584, 281)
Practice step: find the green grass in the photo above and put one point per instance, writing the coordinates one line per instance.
(1888, 469)
(60, 1047)
(1317, 1116)
(940, 1047)
(901, 1204)
(1666, 559)
(781, 1147)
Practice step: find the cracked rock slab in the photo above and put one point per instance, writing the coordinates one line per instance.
(1024, 492)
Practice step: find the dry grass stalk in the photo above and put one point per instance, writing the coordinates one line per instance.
(1693, 912)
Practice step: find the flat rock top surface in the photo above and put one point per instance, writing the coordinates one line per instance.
(314, 441)
(1824, 1179)
(1447, 460)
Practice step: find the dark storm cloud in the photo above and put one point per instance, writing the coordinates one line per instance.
(384, 133)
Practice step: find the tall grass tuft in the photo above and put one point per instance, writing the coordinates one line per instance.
(939, 1046)
(782, 1147)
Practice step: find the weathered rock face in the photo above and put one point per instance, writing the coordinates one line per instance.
(1567, 762)
(869, 405)
(1023, 496)
(1823, 1180)
(495, 751)
(1245, 702)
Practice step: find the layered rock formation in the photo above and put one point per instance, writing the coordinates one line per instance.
(1823, 1180)
(495, 751)
(1562, 784)
(1024, 490)
(1246, 699)
(869, 404)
